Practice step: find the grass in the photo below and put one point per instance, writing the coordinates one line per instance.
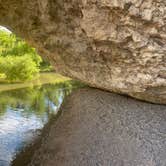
(44, 78)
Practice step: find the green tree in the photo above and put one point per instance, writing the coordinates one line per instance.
(18, 61)
(13, 46)
(18, 68)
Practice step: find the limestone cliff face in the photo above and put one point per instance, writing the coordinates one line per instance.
(117, 45)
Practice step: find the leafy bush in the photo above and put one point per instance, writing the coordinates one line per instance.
(14, 46)
(18, 68)
(18, 61)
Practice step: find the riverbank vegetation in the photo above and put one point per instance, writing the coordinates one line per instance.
(21, 66)
(18, 61)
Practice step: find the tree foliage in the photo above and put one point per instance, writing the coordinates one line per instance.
(18, 68)
(18, 61)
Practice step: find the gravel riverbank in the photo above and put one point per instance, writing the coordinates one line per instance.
(98, 128)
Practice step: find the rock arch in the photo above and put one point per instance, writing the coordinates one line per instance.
(117, 45)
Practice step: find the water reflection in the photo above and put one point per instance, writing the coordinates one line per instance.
(24, 112)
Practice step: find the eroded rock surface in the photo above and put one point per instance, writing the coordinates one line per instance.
(98, 128)
(117, 45)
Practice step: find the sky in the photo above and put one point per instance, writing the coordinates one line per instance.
(5, 29)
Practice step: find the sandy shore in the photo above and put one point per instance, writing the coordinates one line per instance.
(98, 128)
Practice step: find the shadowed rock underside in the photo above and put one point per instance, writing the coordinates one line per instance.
(117, 45)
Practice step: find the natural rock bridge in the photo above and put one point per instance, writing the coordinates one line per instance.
(117, 45)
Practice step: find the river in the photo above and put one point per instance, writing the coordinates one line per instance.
(23, 114)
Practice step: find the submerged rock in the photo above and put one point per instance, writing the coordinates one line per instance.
(98, 128)
(117, 45)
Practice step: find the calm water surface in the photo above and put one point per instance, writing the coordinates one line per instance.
(24, 112)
